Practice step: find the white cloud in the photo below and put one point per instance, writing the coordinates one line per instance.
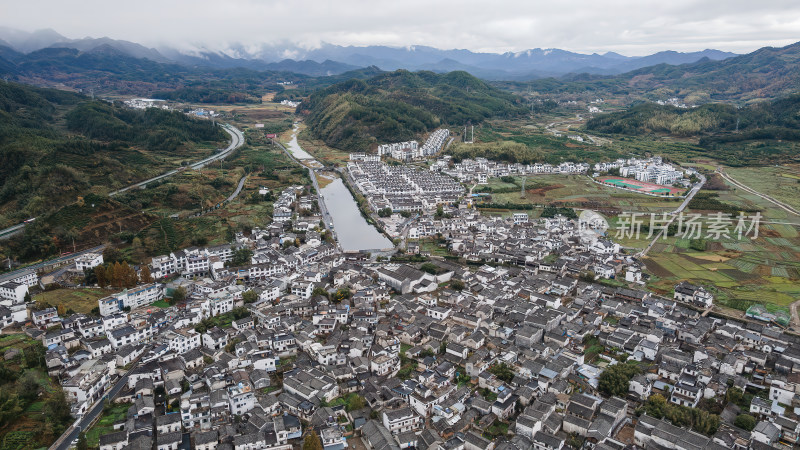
(626, 26)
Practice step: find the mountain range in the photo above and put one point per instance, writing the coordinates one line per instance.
(329, 59)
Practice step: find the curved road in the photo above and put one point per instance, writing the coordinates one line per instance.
(237, 140)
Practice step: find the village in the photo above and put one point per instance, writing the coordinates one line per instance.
(513, 341)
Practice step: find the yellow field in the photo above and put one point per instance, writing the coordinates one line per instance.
(81, 300)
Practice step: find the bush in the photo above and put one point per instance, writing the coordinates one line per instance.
(745, 421)
(615, 381)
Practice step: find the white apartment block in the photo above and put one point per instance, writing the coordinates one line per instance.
(131, 298)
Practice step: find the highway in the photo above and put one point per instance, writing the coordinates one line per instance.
(237, 140)
(10, 231)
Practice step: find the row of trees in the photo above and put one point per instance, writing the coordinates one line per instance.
(120, 275)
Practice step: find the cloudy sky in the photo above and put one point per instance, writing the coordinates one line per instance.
(630, 27)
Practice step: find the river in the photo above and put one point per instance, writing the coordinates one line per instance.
(351, 229)
(295, 149)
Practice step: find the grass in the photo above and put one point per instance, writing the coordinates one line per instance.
(430, 246)
(327, 155)
(577, 191)
(161, 304)
(110, 415)
(81, 300)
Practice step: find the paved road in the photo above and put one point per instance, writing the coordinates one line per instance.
(695, 189)
(238, 189)
(64, 442)
(64, 258)
(780, 204)
(237, 140)
(10, 231)
(326, 217)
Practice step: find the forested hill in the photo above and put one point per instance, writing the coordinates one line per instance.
(780, 117)
(55, 146)
(401, 105)
(761, 133)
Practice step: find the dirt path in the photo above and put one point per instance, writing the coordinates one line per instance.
(795, 317)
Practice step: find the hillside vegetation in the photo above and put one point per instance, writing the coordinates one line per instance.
(766, 73)
(402, 105)
(56, 146)
(765, 132)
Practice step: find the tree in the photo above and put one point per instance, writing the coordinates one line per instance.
(320, 291)
(10, 406)
(249, 296)
(138, 249)
(178, 295)
(439, 212)
(129, 276)
(457, 285)
(745, 421)
(312, 441)
(145, 276)
(354, 402)
(111, 254)
(241, 256)
(502, 372)
(57, 411)
(615, 380)
(102, 276)
(82, 443)
(34, 355)
(429, 268)
(29, 387)
(341, 295)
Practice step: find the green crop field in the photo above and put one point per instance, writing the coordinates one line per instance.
(780, 182)
(111, 414)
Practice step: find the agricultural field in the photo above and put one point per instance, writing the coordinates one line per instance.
(642, 186)
(576, 191)
(80, 300)
(780, 182)
(741, 273)
(111, 414)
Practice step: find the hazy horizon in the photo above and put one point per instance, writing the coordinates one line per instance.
(626, 27)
